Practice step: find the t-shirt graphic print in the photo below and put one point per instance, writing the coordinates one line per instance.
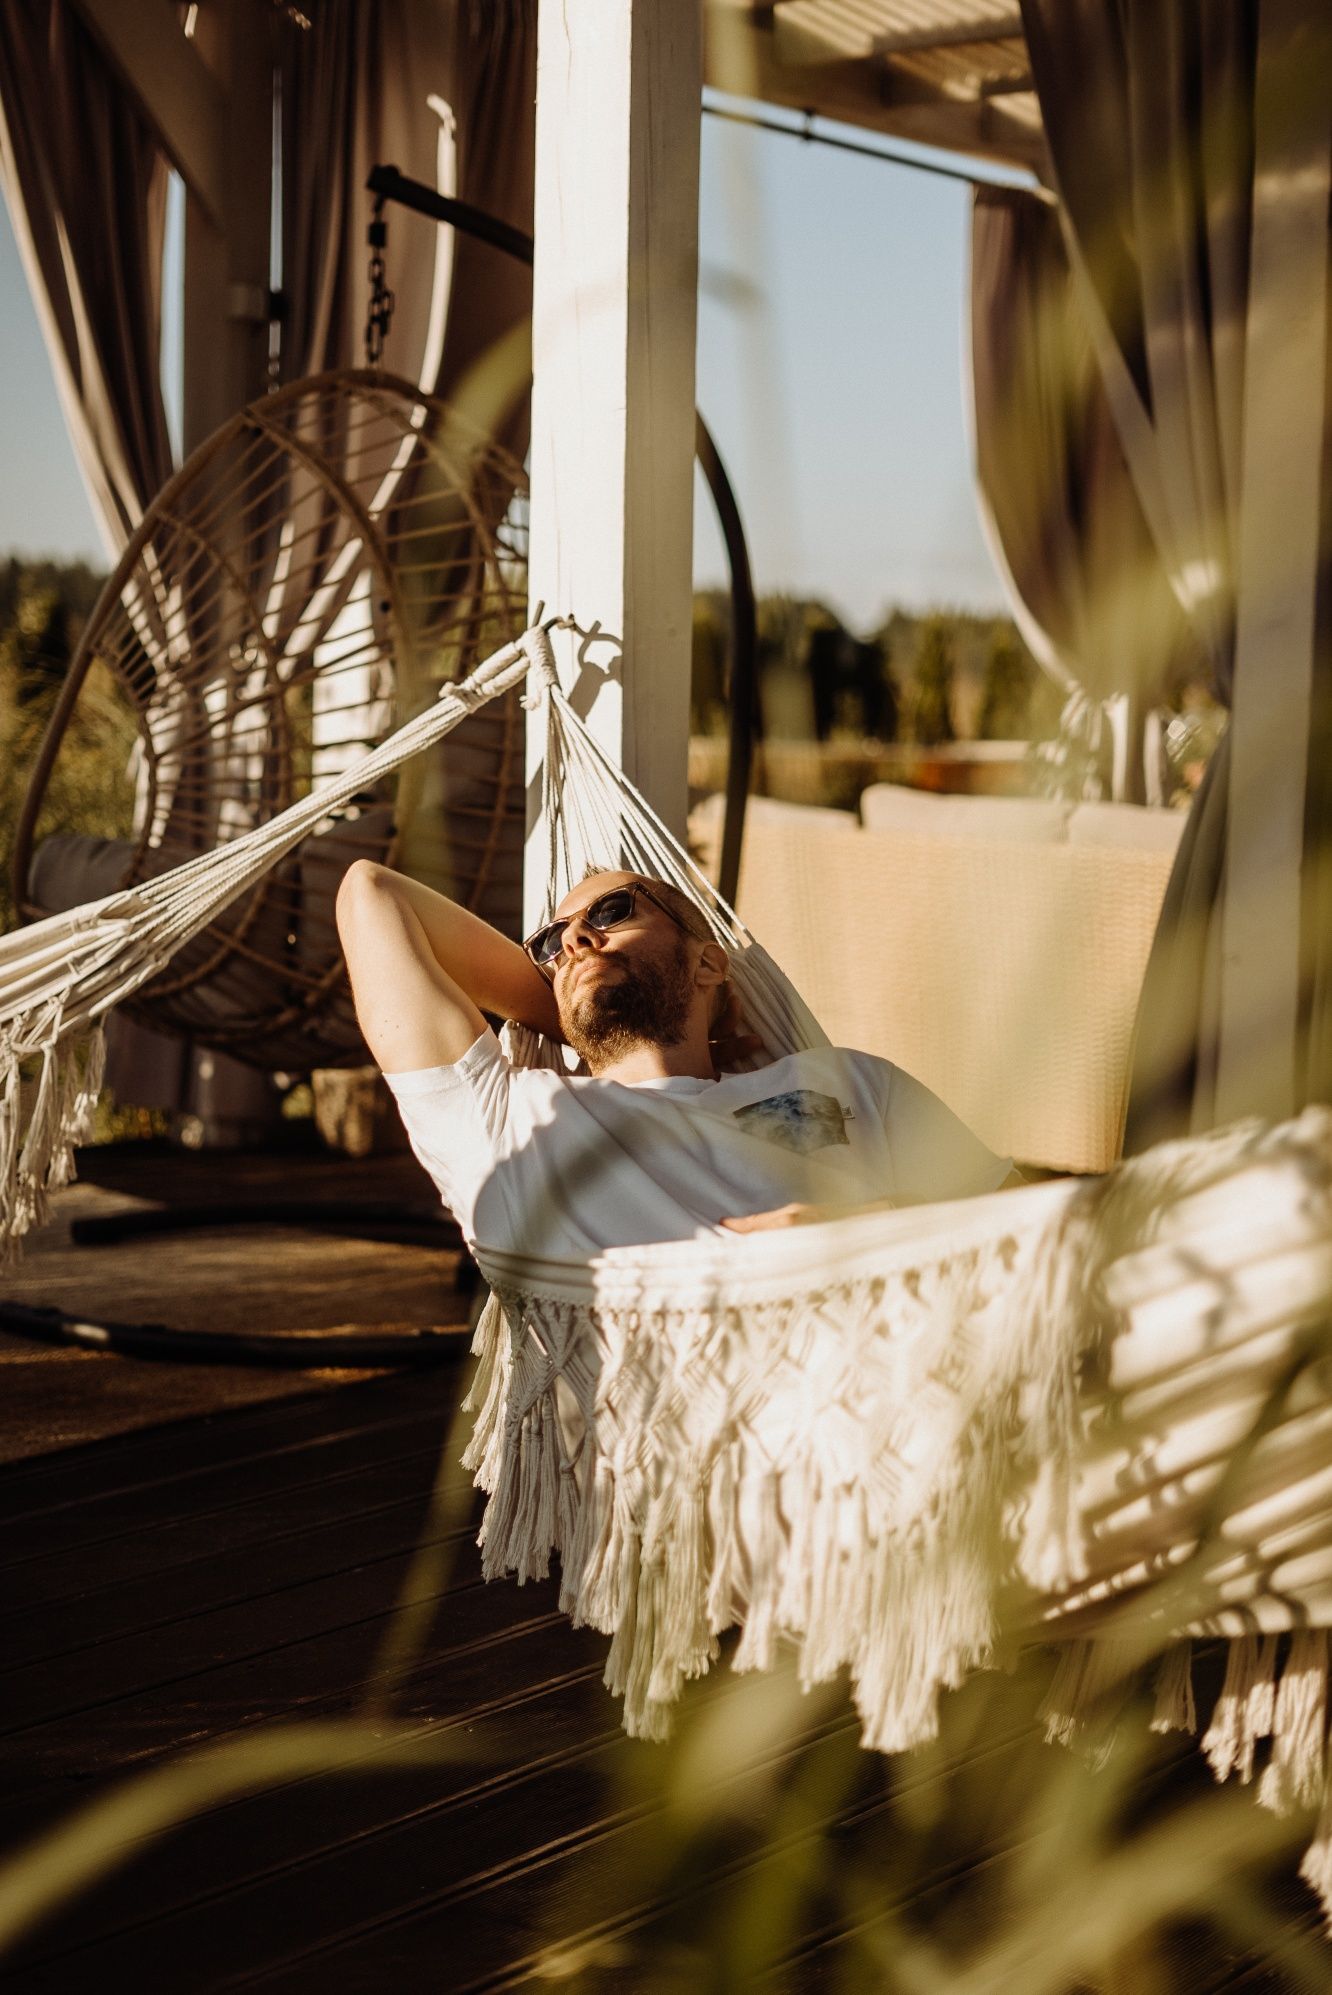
(802, 1119)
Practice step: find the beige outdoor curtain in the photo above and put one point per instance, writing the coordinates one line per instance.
(407, 83)
(446, 93)
(1062, 515)
(1149, 109)
(85, 183)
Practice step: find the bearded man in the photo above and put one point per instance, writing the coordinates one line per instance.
(654, 1140)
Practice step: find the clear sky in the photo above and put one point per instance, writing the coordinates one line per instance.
(831, 372)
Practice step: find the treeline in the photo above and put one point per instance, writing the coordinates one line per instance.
(43, 608)
(929, 678)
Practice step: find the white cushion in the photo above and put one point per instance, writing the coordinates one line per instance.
(925, 814)
(773, 810)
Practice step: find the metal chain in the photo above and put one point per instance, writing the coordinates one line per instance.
(379, 317)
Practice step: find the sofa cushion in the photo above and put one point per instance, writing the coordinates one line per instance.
(924, 814)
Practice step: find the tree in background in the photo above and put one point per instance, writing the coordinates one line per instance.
(820, 681)
(76, 584)
(710, 639)
(876, 690)
(852, 688)
(930, 701)
(36, 645)
(1011, 691)
(816, 678)
(787, 627)
(43, 608)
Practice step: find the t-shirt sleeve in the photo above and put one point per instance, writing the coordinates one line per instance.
(455, 1118)
(934, 1154)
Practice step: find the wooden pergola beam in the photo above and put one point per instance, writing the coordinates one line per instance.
(974, 33)
(1020, 84)
(144, 41)
(751, 57)
(903, 89)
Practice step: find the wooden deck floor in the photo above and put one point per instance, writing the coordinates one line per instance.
(239, 1277)
(183, 1582)
(205, 1580)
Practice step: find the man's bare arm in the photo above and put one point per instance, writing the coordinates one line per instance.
(423, 970)
(811, 1215)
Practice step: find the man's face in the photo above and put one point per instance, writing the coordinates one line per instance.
(627, 986)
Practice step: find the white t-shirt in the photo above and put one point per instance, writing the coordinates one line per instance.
(540, 1162)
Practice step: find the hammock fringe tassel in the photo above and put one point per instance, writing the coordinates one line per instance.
(872, 1469)
(48, 1100)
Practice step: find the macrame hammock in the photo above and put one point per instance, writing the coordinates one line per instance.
(1089, 1411)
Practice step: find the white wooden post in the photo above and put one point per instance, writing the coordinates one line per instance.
(1285, 414)
(619, 96)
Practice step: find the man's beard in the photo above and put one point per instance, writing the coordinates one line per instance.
(635, 1004)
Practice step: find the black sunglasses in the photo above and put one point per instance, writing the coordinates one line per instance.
(608, 910)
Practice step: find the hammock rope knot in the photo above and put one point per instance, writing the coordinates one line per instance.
(543, 679)
(497, 674)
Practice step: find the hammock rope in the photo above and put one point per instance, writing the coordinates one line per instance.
(874, 1437)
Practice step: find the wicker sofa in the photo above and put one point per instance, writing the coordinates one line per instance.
(993, 946)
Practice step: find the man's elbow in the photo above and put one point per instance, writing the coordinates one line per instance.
(361, 886)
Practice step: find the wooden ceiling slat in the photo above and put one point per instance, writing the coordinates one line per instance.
(1002, 26)
(949, 73)
(901, 27)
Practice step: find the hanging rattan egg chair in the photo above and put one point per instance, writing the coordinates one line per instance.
(308, 580)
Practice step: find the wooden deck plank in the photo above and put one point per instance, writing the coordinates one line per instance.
(288, 1863)
(219, 1580)
(36, 1483)
(261, 1472)
(496, 1906)
(316, 1674)
(102, 1470)
(260, 1623)
(249, 1837)
(472, 1828)
(244, 1277)
(542, 1893)
(501, 1660)
(77, 1581)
